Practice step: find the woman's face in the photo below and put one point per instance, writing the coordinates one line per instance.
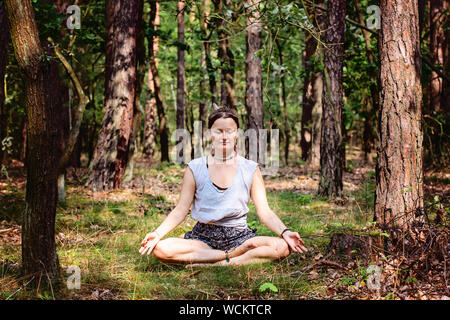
(224, 135)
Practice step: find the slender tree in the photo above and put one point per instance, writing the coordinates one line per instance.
(331, 156)
(438, 17)
(283, 103)
(225, 53)
(111, 154)
(137, 109)
(446, 84)
(253, 84)
(312, 89)
(308, 97)
(150, 128)
(39, 258)
(163, 130)
(181, 113)
(373, 107)
(4, 41)
(206, 65)
(399, 177)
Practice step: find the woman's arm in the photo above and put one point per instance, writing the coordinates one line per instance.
(175, 217)
(179, 213)
(268, 217)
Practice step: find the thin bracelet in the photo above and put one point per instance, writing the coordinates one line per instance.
(281, 235)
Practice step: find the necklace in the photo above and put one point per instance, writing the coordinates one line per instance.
(223, 159)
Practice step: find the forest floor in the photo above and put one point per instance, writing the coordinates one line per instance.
(101, 234)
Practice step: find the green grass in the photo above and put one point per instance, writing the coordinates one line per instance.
(103, 238)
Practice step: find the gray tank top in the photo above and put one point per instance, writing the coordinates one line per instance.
(227, 207)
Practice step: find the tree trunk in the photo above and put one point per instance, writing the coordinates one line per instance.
(60, 98)
(308, 98)
(283, 104)
(149, 143)
(445, 102)
(437, 41)
(225, 54)
(312, 93)
(316, 115)
(399, 176)
(373, 107)
(4, 43)
(111, 155)
(39, 258)
(137, 109)
(163, 130)
(331, 144)
(253, 83)
(180, 114)
(207, 48)
(203, 13)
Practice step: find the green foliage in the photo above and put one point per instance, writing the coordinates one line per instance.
(268, 286)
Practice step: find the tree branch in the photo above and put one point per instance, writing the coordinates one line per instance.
(83, 100)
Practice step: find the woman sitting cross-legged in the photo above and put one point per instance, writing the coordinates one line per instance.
(222, 184)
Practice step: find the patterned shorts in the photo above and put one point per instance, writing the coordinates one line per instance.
(220, 237)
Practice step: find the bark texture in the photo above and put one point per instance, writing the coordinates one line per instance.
(399, 177)
(39, 258)
(253, 88)
(180, 114)
(331, 155)
(163, 130)
(111, 154)
(225, 53)
(150, 129)
(438, 17)
(312, 93)
(208, 71)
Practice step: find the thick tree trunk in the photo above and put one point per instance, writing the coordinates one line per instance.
(4, 43)
(111, 155)
(253, 83)
(180, 114)
(399, 177)
(39, 258)
(331, 155)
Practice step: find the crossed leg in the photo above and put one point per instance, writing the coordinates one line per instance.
(179, 251)
(198, 253)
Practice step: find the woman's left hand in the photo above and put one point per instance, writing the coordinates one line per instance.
(294, 241)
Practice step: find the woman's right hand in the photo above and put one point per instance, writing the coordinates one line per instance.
(149, 243)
